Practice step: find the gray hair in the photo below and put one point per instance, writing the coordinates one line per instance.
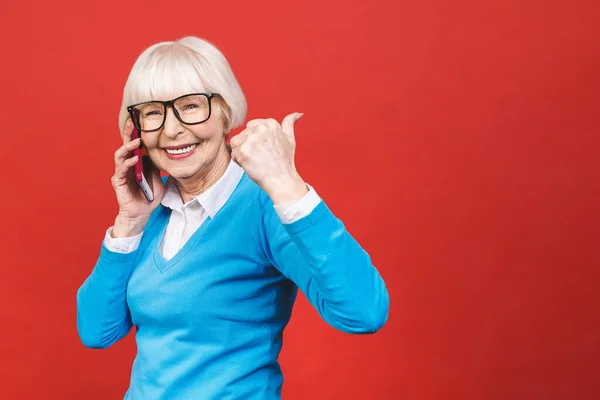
(170, 69)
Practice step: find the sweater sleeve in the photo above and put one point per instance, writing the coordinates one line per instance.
(102, 313)
(327, 264)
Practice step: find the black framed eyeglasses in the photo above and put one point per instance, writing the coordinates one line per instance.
(190, 109)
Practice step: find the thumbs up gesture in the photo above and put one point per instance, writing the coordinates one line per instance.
(265, 150)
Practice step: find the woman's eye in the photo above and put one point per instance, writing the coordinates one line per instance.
(190, 106)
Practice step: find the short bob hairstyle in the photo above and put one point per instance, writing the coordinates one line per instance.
(168, 70)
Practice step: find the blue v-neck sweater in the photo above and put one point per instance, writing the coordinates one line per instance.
(209, 322)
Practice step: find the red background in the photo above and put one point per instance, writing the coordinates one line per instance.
(457, 140)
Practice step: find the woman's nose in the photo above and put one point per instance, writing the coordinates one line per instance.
(173, 126)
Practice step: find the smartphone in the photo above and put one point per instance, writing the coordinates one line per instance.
(140, 175)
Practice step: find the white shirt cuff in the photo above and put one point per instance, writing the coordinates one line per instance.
(295, 210)
(121, 245)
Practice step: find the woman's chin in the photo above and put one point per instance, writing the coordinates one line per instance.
(182, 173)
(181, 169)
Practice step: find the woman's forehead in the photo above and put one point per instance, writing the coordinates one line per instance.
(167, 81)
(165, 89)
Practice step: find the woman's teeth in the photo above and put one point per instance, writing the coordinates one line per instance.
(181, 151)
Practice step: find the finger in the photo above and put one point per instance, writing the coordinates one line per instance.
(234, 156)
(287, 125)
(134, 144)
(240, 155)
(123, 151)
(128, 131)
(121, 173)
(254, 123)
(120, 156)
(259, 128)
(238, 139)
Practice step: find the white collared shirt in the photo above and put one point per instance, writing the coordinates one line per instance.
(186, 218)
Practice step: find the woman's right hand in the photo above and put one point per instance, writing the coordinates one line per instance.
(134, 208)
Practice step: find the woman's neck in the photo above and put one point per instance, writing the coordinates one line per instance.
(195, 186)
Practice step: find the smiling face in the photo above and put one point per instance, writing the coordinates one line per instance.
(167, 71)
(186, 151)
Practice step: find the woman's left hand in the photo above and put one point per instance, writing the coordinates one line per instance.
(265, 150)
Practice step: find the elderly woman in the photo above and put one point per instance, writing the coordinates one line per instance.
(209, 270)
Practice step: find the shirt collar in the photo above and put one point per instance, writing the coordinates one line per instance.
(213, 199)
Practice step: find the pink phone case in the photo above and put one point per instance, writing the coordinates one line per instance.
(140, 177)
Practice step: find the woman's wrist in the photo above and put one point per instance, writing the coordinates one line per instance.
(287, 190)
(128, 227)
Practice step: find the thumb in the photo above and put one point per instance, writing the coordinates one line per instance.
(287, 125)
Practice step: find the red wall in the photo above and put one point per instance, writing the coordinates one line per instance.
(457, 140)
